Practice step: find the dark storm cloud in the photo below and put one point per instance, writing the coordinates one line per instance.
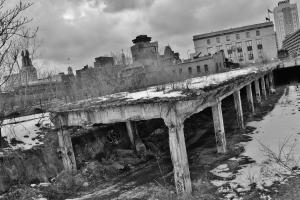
(84, 29)
(120, 5)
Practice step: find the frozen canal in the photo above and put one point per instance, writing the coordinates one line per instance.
(275, 148)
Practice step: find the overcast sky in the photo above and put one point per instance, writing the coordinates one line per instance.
(84, 29)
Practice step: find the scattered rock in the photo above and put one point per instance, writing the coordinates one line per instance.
(273, 91)
(65, 180)
(125, 152)
(79, 180)
(85, 184)
(44, 184)
(130, 160)
(140, 147)
(117, 166)
(233, 165)
(158, 131)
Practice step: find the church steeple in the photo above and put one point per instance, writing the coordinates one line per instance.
(70, 71)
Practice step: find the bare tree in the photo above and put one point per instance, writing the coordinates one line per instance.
(13, 29)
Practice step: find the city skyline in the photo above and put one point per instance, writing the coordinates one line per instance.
(286, 20)
(83, 30)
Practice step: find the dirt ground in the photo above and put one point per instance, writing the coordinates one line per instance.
(288, 191)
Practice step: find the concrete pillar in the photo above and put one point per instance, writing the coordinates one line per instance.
(272, 85)
(267, 84)
(66, 150)
(263, 87)
(250, 98)
(219, 127)
(130, 132)
(257, 91)
(238, 109)
(179, 154)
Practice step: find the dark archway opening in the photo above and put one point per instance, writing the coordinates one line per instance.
(284, 76)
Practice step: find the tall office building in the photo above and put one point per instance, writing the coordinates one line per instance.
(286, 20)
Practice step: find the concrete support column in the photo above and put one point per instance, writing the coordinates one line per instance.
(179, 154)
(268, 85)
(219, 127)
(250, 98)
(257, 91)
(238, 109)
(130, 131)
(272, 86)
(263, 87)
(66, 150)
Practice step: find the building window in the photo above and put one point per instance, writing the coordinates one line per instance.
(239, 50)
(259, 44)
(219, 47)
(198, 69)
(210, 50)
(239, 47)
(249, 45)
(180, 71)
(259, 48)
(218, 39)
(247, 34)
(257, 33)
(227, 37)
(250, 50)
(217, 67)
(206, 68)
(229, 50)
(190, 70)
(240, 57)
(237, 36)
(250, 55)
(208, 41)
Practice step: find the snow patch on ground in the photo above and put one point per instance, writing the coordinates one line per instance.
(222, 171)
(22, 132)
(280, 128)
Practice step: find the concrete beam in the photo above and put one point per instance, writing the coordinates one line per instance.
(66, 150)
(178, 153)
(250, 98)
(219, 127)
(257, 91)
(263, 87)
(238, 109)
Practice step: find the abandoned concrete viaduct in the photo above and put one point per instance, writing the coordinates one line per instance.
(173, 103)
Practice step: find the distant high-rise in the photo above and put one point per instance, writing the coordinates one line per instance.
(286, 20)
